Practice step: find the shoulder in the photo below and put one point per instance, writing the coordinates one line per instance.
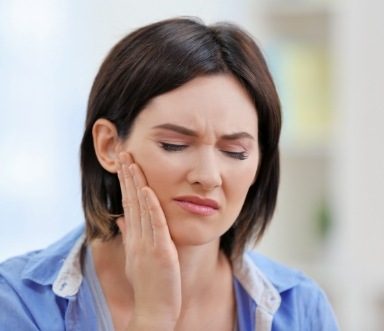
(26, 286)
(40, 266)
(282, 277)
(303, 302)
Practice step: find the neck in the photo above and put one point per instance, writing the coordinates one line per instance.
(199, 266)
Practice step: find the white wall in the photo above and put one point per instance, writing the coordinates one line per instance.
(359, 168)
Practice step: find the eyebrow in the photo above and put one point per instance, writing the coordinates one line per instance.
(188, 132)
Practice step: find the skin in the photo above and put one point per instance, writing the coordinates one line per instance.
(166, 271)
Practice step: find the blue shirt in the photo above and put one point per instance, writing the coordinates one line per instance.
(45, 290)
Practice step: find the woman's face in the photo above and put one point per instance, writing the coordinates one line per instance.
(198, 149)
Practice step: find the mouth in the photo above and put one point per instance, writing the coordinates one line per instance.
(197, 205)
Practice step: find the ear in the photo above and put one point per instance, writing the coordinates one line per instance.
(107, 144)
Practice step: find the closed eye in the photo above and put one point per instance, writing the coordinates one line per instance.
(172, 147)
(237, 155)
(179, 147)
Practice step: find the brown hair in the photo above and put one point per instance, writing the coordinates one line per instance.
(158, 58)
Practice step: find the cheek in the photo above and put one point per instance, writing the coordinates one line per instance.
(239, 182)
(159, 181)
(157, 170)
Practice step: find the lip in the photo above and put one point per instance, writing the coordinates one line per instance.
(199, 201)
(197, 205)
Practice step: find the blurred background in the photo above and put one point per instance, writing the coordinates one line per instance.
(327, 61)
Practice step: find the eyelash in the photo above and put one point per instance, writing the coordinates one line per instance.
(172, 147)
(237, 155)
(177, 148)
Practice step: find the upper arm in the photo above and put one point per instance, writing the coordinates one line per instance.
(14, 314)
(305, 307)
(320, 315)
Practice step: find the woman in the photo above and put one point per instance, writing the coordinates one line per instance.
(180, 172)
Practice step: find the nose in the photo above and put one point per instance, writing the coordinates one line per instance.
(205, 170)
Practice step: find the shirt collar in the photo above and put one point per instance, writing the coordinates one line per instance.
(70, 276)
(60, 265)
(68, 280)
(44, 266)
(282, 277)
(258, 287)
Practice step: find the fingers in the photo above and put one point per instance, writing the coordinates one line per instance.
(132, 180)
(129, 197)
(160, 230)
(121, 220)
(144, 216)
(140, 183)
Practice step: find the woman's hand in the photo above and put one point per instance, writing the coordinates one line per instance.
(152, 265)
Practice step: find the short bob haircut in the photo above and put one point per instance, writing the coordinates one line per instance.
(156, 59)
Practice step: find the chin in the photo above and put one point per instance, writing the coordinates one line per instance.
(195, 234)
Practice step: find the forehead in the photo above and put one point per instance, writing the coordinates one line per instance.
(216, 102)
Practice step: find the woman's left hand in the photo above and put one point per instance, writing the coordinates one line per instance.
(152, 265)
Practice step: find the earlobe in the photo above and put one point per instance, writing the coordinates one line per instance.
(107, 144)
